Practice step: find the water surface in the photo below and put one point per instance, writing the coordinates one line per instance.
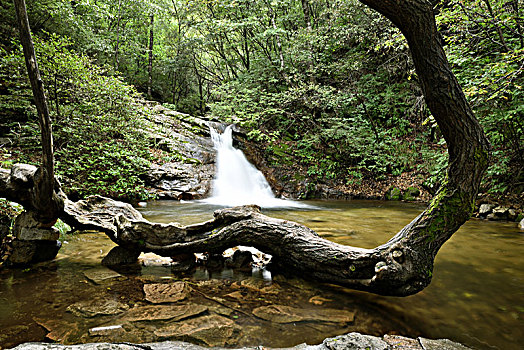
(476, 296)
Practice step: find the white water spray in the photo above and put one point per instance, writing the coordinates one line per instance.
(238, 182)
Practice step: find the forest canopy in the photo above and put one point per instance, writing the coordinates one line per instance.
(330, 85)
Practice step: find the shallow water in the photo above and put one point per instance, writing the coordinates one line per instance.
(476, 296)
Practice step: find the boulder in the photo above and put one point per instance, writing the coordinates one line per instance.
(120, 256)
(501, 212)
(521, 224)
(354, 341)
(28, 228)
(512, 214)
(29, 252)
(485, 209)
(97, 213)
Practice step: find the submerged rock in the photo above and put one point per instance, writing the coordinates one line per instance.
(164, 312)
(157, 293)
(120, 256)
(288, 314)
(211, 330)
(101, 274)
(97, 307)
(59, 330)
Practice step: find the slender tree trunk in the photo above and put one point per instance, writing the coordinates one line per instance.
(150, 64)
(515, 5)
(45, 201)
(497, 27)
(117, 44)
(272, 15)
(309, 28)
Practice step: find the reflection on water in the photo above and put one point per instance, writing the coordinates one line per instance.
(476, 297)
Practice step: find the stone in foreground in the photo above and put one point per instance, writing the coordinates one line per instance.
(350, 341)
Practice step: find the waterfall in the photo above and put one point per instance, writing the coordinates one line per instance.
(238, 182)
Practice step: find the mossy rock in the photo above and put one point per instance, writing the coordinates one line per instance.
(411, 194)
(394, 194)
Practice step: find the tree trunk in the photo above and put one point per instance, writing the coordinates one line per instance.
(150, 64)
(45, 201)
(117, 44)
(309, 28)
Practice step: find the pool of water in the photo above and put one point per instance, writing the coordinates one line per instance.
(476, 296)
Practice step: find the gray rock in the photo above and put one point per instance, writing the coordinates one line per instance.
(351, 341)
(512, 214)
(501, 212)
(97, 213)
(485, 209)
(441, 344)
(355, 341)
(492, 217)
(521, 224)
(120, 256)
(29, 252)
(28, 228)
(22, 175)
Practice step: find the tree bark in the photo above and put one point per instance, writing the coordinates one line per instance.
(150, 64)
(45, 201)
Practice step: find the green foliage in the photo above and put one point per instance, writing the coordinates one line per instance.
(485, 48)
(96, 120)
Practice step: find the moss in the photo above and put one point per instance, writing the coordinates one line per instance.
(446, 210)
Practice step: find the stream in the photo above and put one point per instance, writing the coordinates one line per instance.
(476, 296)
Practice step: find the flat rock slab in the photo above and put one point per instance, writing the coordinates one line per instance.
(97, 307)
(59, 330)
(288, 314)
(101, 274)
(157, 293)
(164, 312)
(211, 330)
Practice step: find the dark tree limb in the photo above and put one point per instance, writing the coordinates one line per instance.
(46, 202)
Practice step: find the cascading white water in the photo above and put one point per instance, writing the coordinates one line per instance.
(238, 182)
